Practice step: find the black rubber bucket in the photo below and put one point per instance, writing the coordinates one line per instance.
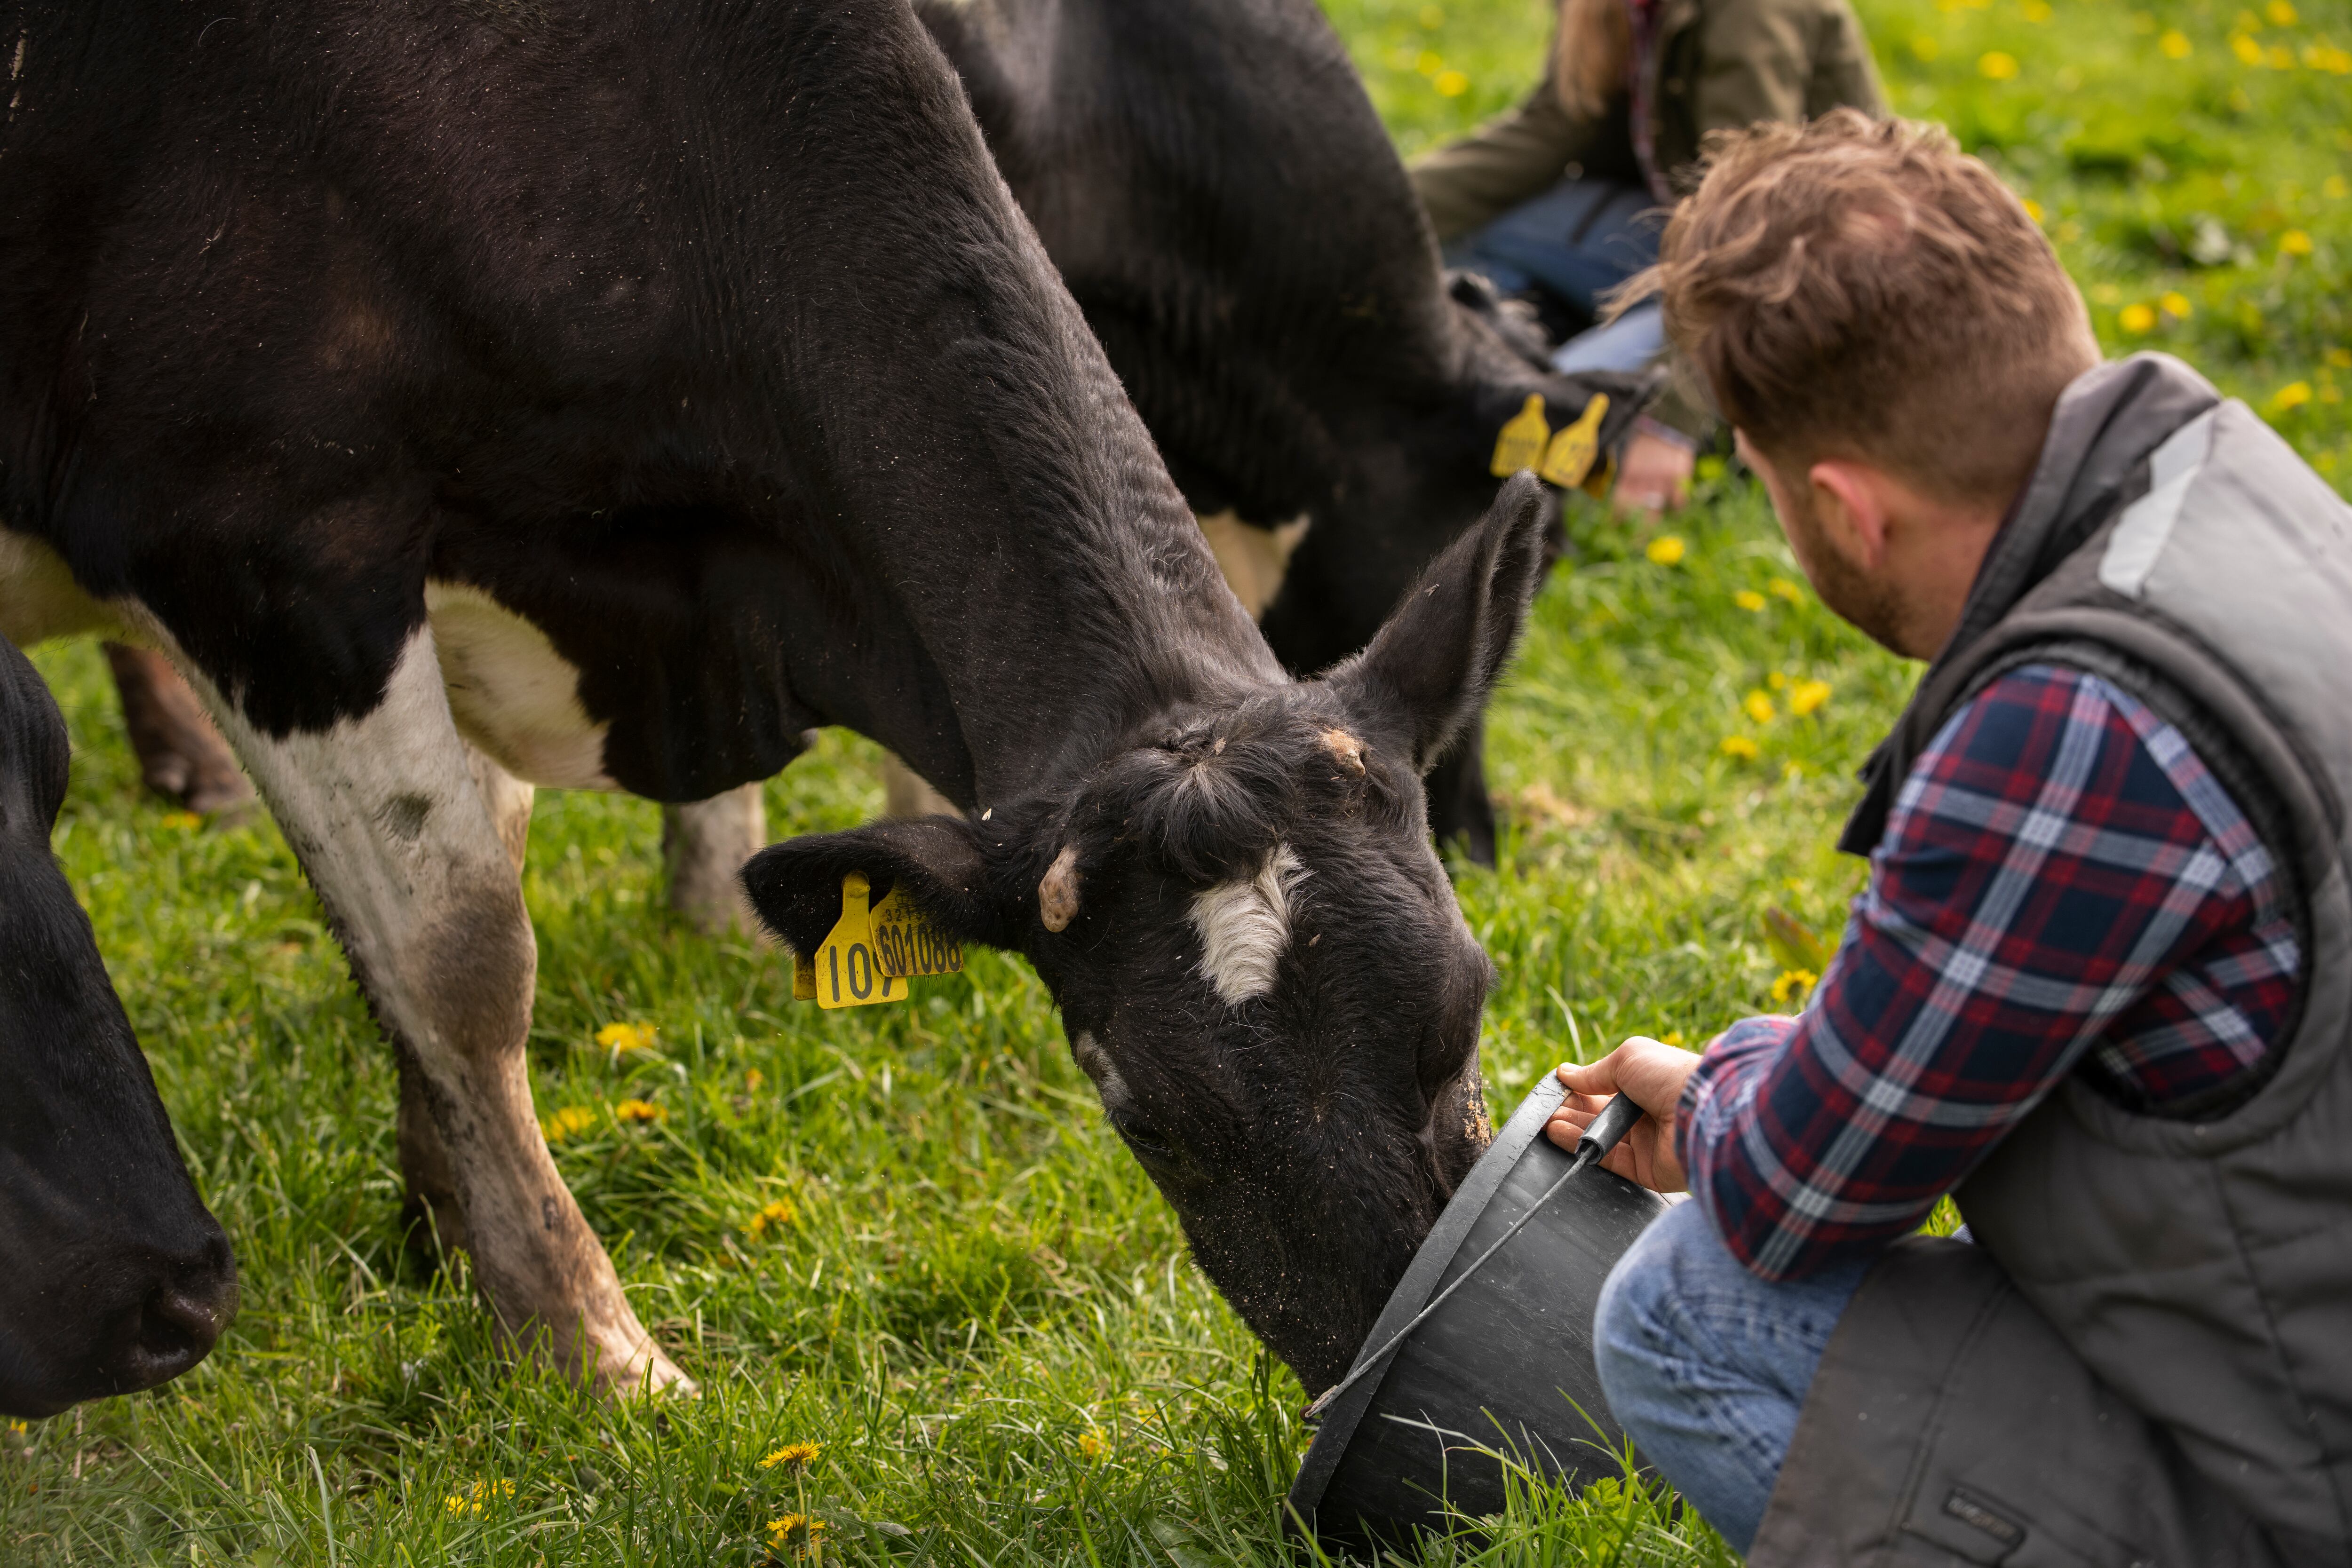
(1505, 1364)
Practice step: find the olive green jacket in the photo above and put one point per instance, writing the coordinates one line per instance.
(1720, 64)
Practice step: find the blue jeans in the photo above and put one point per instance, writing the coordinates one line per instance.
(1578, 240)
(1706, 1366)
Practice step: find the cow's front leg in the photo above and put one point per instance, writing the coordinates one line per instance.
(394, 830)
(704, 845)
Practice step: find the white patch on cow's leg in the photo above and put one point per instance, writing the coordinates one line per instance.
(1244, 925)
(507, 799)
(512, 694)
(396, 839)
(907, 793)
(704, 846)
(38, 596)
(1253, 559)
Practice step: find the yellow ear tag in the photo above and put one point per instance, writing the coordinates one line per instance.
(847, 974)
(907, 943)
(1520, 443)
(1570, 458)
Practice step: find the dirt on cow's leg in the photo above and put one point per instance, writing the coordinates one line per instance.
(417, 869)
(704, 845)
(907, 793)
(181, 755)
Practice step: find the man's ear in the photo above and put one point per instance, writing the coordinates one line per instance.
(795, 886)
(1851, 503)
(1427, 672)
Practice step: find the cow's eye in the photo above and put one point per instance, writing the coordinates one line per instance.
(1140, 1137)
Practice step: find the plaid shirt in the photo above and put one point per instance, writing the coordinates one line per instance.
(2063, 888)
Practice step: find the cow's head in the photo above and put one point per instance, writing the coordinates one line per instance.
(112, 1275)
(1258, 960)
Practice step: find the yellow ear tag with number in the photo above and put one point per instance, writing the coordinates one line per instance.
(1570, 458)
(1520, 443)
(907, 943)
(847, 974)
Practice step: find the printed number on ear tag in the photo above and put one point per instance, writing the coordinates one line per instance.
(847, 973)
(1520, 443)
(907, 943)
(1570, 458)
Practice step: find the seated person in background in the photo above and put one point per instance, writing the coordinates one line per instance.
(1560, 197)
(2099, 986)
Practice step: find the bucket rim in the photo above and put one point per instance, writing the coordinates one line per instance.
(1429, 1262)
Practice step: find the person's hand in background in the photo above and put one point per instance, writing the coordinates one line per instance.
(1653, 474)
(1653, 1074)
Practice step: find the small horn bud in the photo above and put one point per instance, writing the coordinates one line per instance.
(1345, 748)
(1057, 894)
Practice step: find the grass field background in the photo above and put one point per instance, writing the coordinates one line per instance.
(904, 1234)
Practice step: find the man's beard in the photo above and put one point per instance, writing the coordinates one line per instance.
(1875, 607)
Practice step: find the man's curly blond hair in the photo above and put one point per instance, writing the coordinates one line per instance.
(1859, 287)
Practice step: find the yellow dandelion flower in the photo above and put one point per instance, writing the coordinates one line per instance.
(1781, 588)
(1742, 747)
(1092, 1444)
(2340, 357)
(777, 1214)
(2033, 209)
(2281, 14)
(2280, 57)
(1996, 66)
(793, 1456)
(183, 821)
(1807, 696)
(2335, 188)
(1748, 599)
(1431, 17)
(2175, 45)
(1671, 1037)
(781, 1531)
(1776, 680)
(567, 1123)
(1666, 550)
(2293, 395)
(1429, 63)
(2176, 304)
(1757, 707)
(626, 1036)
(752, 1081)
(2248, 52)
(2035, 11)
(1450, 84)
(18, 1427)
(1924, 47)
(639, 1111)
(1793, 982)
(2137, 319)
(2294, 242)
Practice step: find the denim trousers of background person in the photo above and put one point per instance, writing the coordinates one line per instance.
(1706, 1366)
(1578, 240)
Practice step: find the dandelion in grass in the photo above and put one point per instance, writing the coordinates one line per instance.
(2176, 304)
(570, 1122)
(1781, 588)
(626, 1037)
(1807, 696)
(1757, 707)
(2175, 45)
(753, 1081)
(1996, 66)
(1666, 550)
(2281, 14)
(2290, 397)
(793, 1458)
(1776, 680)
(640, 1111)
(2341, 359)
(2294, 242)
(1741, 747)
(1924, 47)
(1671, 1037)
(1793, 984)
(2248, 52)
(183, 821)
(2336, 188)
(1450, 84)
(1748, 599)
(2033, 209)
(472, 1500)
(2137, 319)
(1092, 1444)
(797, 1531)
(775, 1216)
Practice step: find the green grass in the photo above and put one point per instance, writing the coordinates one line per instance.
(978, 1304)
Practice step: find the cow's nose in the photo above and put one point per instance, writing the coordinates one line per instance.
(178, 1322)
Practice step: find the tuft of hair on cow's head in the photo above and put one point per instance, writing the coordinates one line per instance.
(1257, 956)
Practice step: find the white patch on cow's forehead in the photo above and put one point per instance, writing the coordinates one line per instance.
(1244, 925)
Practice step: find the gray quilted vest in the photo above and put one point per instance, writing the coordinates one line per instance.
(2199, 1262)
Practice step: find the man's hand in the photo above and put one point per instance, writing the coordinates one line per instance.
(1653, 476)
(1653, 1076)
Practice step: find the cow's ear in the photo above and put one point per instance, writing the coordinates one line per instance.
(1427, 672)
(795, 886)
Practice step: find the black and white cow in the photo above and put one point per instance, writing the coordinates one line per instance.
(112, 1275)
(1224, 203)
(468, 394)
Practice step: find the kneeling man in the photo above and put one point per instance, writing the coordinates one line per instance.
(2099, 985)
